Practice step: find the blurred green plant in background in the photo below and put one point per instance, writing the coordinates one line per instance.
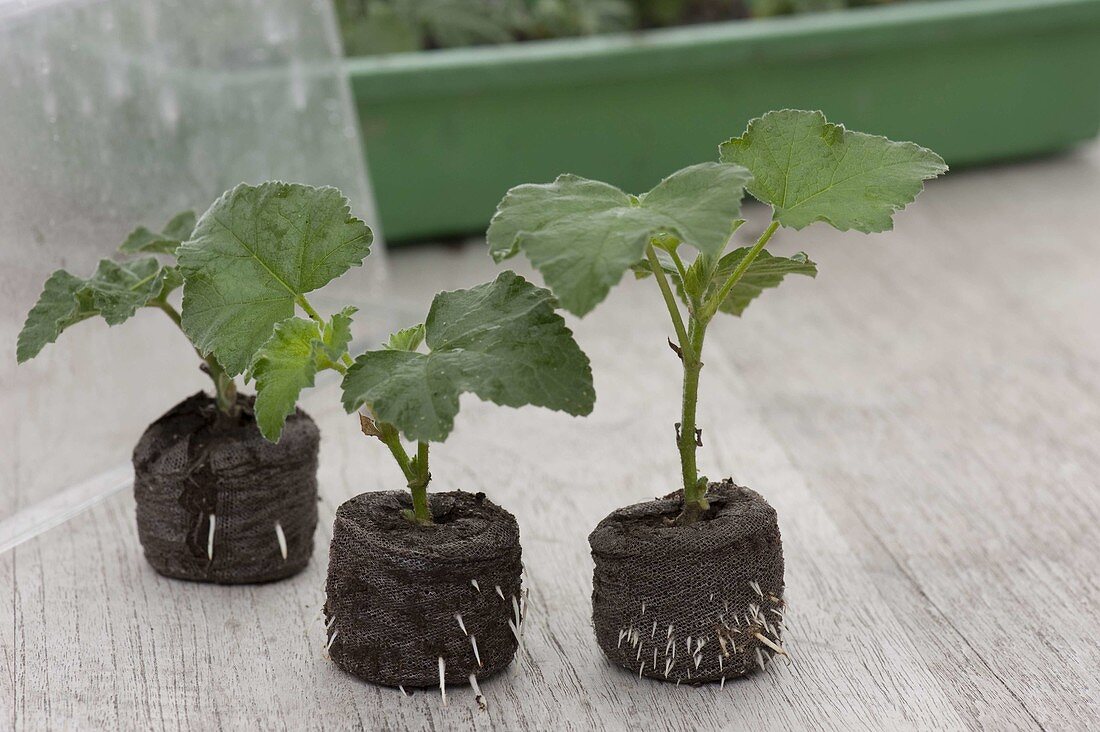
(371, 27)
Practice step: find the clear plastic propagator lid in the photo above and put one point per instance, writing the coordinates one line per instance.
(118, 113)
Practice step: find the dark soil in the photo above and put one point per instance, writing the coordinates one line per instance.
(395, 588)
(659, 591)
(195, 465)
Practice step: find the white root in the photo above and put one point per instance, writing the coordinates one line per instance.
(653, 632)
(210, 539)
(622, 634)
(764, 639)
(282, 539)
(402, 688)
(640, 669)
(458, 617)
(515, 611)
(500, 592)
(443, 680)
(756, 588)
(332, 639)
(477, 656)
(668, 666)
(515, 632)
(723, 684)
(475, 584)
(477, 693)
(643, 608)
(330, 623)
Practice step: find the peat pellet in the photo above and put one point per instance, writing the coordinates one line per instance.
(402, 596)
(216, 502)
(695, 603)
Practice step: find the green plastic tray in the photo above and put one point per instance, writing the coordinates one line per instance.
(448, 132)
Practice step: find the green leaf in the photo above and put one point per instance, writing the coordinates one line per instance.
(810, 170)
(764, 272)
(254, 254)
(407, 339)
(142, 240)
(582, 235)
(288, 363)
(115, 291)
(57, 308)
(501, 340)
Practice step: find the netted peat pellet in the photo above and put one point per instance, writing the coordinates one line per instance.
(216, 502)
(694, 603)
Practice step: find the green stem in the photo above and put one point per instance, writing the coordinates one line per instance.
(392, 440)
(225, 388)
(739, 271)
(670, 300)
(414, 469)
(419, 487)
(694, 489)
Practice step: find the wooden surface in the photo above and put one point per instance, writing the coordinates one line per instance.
(924, 416)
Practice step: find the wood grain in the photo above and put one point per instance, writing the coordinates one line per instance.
(924, 417)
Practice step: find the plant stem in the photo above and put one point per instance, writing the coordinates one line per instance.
(694, 489)
(670, 300)
(225, 388)
(419, 487)
(691, 350)
(712, 305)
(414, 469)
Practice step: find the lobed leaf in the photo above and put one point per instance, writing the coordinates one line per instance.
(288, 362)
(810, 170)
(406, 339)
(765, 271)
(115, 291)
(254, 253)
(175, 232)
(582, 235)
(502, 341)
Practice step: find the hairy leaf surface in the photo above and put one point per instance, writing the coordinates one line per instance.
(252, 256)
(765, 271)
(406, 339)
(582, 235)
(115, 291)
(810, 170)
(288, 363)
(176, 231)
(501, 340)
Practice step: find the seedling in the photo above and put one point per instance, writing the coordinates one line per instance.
(583, 235)
(203, 457)
(713, 583)
(115, 292)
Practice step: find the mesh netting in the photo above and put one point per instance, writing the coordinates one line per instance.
(402, 596)
(194, 470)
(690, 603)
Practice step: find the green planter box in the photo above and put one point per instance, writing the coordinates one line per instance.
(447, 132)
